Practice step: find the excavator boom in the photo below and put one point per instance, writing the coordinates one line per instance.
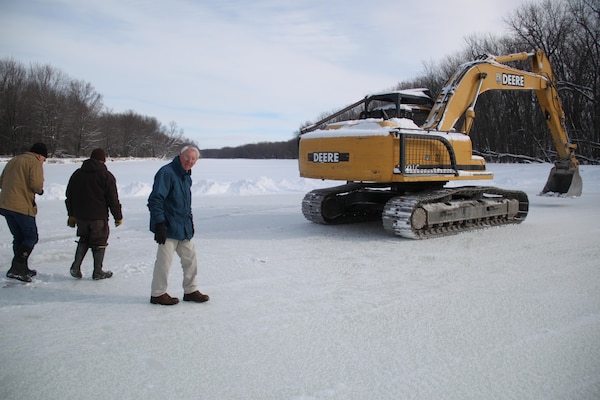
(461, 92)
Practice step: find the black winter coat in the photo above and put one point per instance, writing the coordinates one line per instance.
(92, 192)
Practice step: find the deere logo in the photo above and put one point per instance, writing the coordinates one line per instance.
(513, 80)
(328, 157)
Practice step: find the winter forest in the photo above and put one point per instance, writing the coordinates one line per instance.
(509, 126)
(41, 103)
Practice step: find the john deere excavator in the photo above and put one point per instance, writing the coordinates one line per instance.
(397, 171)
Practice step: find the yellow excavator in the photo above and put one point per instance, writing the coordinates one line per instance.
(397, 170)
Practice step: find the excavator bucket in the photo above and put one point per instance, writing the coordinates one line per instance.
(564, 180)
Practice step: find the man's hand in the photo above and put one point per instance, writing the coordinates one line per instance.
(72, 221)
(160, 232)
(118, 222)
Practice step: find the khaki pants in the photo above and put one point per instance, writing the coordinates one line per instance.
(186, 251)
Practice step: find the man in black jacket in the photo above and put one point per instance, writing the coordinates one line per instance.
(91, 193)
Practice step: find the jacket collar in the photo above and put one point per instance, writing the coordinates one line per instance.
(179, 168)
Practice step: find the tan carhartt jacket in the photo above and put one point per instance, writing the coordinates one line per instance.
(21, 179)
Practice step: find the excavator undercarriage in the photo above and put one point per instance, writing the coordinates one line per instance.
(417, 215)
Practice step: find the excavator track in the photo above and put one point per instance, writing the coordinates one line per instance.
(453, 210)
(421, 215)
(352, 202)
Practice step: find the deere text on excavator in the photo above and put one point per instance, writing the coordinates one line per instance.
(397, 170)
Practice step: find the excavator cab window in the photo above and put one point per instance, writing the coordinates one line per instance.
(398, 105)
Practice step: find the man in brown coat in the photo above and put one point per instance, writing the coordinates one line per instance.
(22, 178)
(91, 193)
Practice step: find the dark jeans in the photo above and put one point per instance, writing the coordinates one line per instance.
(22, 227)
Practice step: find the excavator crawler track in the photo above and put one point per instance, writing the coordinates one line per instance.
(453, 210)
(421, 215)
(344, 204)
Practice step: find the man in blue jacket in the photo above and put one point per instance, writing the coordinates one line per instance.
(170, 205)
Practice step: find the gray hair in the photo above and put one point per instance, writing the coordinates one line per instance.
(190, 147)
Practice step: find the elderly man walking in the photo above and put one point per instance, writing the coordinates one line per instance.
(170, 205)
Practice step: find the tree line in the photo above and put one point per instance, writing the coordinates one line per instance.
(263, 150)
(40, 103)
(509, 125)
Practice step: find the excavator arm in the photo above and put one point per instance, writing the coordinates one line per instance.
(460, 95)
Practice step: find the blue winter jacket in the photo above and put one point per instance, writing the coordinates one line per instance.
(171, 201)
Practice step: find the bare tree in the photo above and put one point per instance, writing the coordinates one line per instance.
(569, 32)
(85, 105)
(50, 112)
(13, 79)
(43, 104)
(583, 81)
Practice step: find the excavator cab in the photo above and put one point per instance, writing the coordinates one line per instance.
(413, 104)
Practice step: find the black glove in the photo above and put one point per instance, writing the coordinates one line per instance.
(160, 232)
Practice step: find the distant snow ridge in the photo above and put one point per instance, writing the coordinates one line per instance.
(261, 185)
(53, 191)
(244, 187)
(135, 189)
(206, 187)
(258, 186)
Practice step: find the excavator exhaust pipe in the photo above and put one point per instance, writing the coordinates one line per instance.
(564, 179)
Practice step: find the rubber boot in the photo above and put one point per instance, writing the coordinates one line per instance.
(98, 253)
(18, 268)
(30, 272)
(80, 252)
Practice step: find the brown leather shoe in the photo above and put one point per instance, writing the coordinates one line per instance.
(196, 297)
(164, 299)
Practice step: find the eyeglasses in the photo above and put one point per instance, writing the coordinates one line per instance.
(188, 157)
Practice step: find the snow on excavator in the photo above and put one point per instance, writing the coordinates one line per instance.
(396, 168)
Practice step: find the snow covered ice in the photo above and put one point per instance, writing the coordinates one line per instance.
(303, 311)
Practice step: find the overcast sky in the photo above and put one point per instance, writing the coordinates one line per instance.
(234, 72)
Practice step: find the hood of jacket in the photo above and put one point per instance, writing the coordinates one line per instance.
(92, 165)
(178, 168)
